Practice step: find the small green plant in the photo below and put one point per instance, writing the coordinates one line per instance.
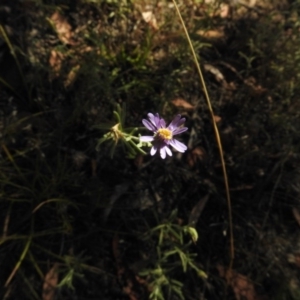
(118, 134)
(72, 269)
(173, 258)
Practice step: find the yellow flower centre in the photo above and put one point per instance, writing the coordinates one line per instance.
(164, 133)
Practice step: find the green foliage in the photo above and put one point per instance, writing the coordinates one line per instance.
(119, 135)
(173, 257)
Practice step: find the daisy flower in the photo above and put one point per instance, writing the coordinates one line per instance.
(164, 135)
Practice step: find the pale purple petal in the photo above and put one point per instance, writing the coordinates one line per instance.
(157, 119)
(154, 119)
(178, 145)
(153, 150)
(163, 152)
(169, 152)
(180, 122)
(146, 138)
(179, 130)
(162, 123)
(149, 125)
(173, 124)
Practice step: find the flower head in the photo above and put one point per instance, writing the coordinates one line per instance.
(164, 135)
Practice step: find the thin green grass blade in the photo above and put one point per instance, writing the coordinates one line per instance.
(17, 266)
(13, 53)
(217, 135)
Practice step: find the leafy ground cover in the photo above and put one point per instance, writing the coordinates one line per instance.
(85, 218)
